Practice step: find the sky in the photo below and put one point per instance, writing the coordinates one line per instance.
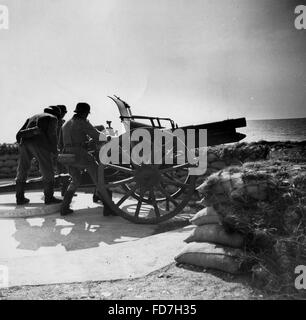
(194, 61)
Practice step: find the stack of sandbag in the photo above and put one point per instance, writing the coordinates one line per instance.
(232, 190)
(9, 161)
(210, 245)
(265, 202)
(34, 171)
(8, 165)
(220, 157)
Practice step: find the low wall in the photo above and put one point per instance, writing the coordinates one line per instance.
(218, 157)
(9, 161)
(224, 156)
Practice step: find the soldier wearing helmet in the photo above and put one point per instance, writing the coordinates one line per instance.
(63, 110)
(60, 111)
(38, 139)
(75, 133)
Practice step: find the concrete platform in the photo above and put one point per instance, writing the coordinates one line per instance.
(85, 246)
(36, 207)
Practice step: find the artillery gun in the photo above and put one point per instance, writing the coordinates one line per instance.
(149, 193)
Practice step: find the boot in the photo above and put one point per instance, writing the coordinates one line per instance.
(65, 210)
(107, 211)
(49, 191)
(20, 198)
(96, 198)
(64, 187)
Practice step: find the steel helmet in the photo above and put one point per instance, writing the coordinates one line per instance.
(62, 108)
(82, 107)
(54, 111)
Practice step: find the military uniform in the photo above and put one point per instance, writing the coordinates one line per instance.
(42, 147)
(74, 136)
(62, 110)
(60, 168)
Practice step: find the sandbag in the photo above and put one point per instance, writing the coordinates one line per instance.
(218, 165)
(221, 183)
(205, 216)
(14, 169)
(208, 255)
(9, 163)
(4, 157)
(256, 190)
(215, 233)
(211, 156)
(5, 170)
(221, 186)
(13, 156)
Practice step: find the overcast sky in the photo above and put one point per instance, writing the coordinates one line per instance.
(194, 61)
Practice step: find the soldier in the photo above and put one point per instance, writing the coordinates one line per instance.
(37, 138)
(60, 168)
(74, 136)
(63, 110)
(56, 112)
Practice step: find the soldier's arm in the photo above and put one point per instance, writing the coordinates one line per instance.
(22, 128)
(91, 131)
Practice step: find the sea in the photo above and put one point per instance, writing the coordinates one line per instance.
(275, 130)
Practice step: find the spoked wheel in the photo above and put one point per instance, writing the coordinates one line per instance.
(173, 179)
(147, 199)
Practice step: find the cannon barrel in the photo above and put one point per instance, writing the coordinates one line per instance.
(224, 125)
(220, 132)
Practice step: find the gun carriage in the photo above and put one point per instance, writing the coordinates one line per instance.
(148, 193)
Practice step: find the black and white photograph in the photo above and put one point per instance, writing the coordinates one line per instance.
(152, 152)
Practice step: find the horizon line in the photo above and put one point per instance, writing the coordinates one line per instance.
(275, 119)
